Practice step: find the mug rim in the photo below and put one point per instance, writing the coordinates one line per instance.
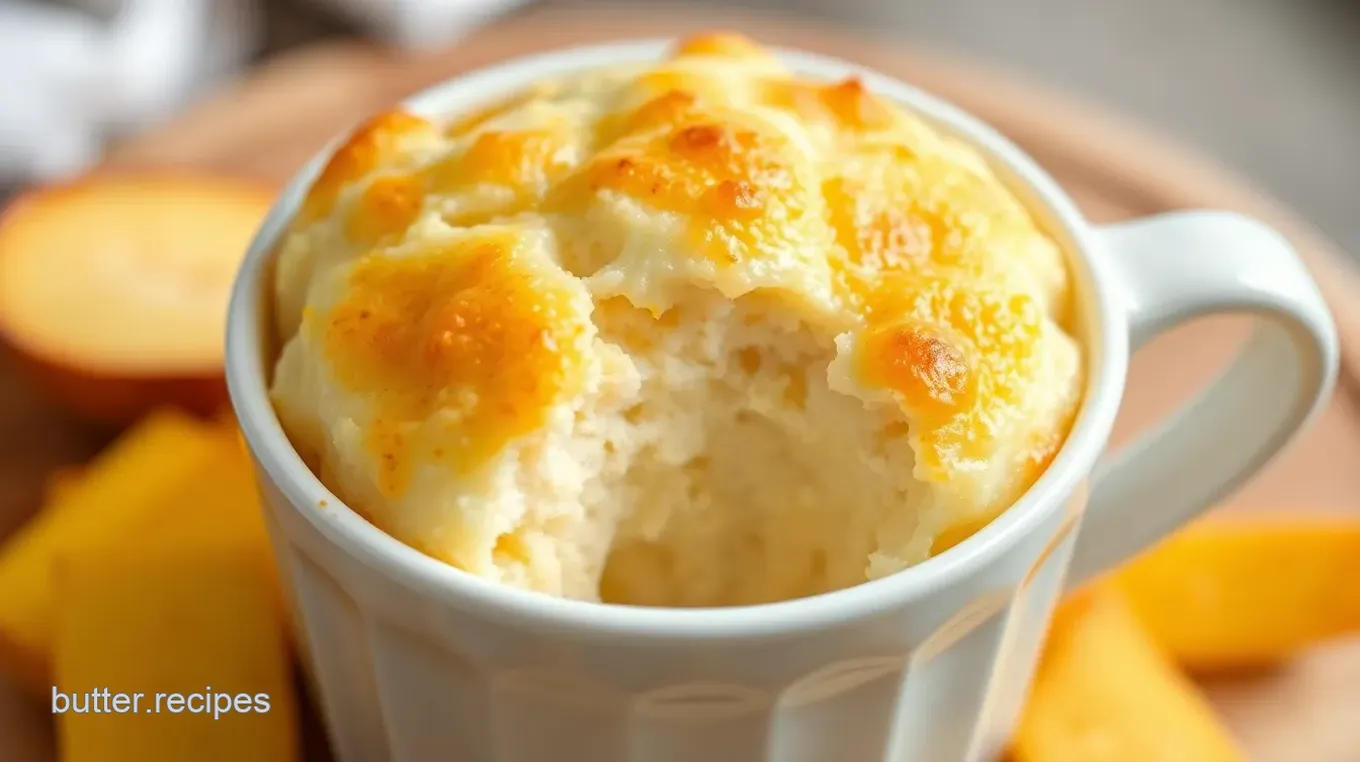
(1103, 330)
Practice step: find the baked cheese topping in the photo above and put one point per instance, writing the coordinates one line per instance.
(699, 332)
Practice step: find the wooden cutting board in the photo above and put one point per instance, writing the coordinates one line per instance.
(268, 124)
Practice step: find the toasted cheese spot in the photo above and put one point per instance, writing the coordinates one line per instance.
(720, 150)
(373, 144)
(894, 209)
(725, 44)
(848, 104)
(739, 183)
(879, 235)
(523, 160)
(929, 372)
(955, 354)
(387, 208)
(693, 84)
(472, 334)
(668, 109)
(855, 106)
(898, 219)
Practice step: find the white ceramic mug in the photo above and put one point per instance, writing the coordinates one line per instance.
(414, 660)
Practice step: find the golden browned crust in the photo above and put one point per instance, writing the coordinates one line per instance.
(715, 169)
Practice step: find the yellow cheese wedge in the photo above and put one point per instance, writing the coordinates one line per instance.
(113, 493)
(182, 620)
(1105, 692)
(1235, 593)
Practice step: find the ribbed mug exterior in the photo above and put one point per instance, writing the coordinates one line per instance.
(403, 677)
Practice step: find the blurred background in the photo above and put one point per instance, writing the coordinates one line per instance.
(1268, 87)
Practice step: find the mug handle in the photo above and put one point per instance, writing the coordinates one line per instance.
(1176, 267)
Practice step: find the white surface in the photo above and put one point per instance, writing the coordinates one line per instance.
(416, 660)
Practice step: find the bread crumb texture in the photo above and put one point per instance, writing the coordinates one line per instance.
(694, 333)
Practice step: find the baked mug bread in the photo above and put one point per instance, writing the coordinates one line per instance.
(687, 333)
(764, 338)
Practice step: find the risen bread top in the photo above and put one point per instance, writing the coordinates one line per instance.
(498, 324)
